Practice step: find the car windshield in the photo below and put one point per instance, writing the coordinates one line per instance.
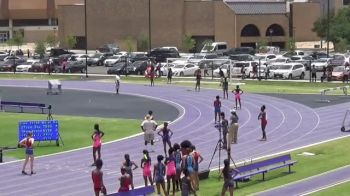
(281, 60)
(97, 56)
(239, 57)
(179, 66)
(27, 63)
(241, 64)
(321, 60)
(295, 58)
(197, 57)
(338, 69)
(285, 67)
(114, 57)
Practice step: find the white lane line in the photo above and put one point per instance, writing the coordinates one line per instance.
(325, 187)
(103, 91)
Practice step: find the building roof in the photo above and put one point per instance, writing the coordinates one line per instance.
(257, 7)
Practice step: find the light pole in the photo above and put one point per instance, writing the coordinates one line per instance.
(149, 27)
(86, 66)
(328, 17)
(270, 31)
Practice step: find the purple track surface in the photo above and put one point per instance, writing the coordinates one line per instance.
(290, 125)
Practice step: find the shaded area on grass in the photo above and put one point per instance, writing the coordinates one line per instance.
(75, 132)
(88, 103)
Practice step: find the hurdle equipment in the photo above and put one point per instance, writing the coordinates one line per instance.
(54, 87)
(324, 91)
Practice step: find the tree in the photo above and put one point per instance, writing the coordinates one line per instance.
(51, 40)
(71, 41)
(339, 27)
(40, 48)
(341, 45)
(10, 43)
(129, 44)
(142, 43)
(188, 43)
(18, 39)
(207, 45)
(262, 46)
(291, 44)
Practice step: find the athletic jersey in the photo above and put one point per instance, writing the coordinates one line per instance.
(125, 183)
(165, 135)
(171, 168)
(128, 167)
(28, 142)
(237, 90)
(178, 160)
(97, 179)
(160, 172)
(97, 139)
(189, 163)
(217, 104)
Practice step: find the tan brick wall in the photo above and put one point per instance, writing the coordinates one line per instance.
(199, 18)
(304, 15)
(27, 4)
(32, 36)
(225, 24)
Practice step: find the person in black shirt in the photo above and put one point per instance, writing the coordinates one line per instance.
(198, 80)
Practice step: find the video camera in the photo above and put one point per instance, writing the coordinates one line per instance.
(218, 126)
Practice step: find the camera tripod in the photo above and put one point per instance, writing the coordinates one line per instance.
(219, 146)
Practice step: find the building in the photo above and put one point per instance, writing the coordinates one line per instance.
(166, 22)
(35, 19)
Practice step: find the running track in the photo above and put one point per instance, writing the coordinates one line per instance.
(291, 125)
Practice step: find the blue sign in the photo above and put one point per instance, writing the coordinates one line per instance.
(43, 130)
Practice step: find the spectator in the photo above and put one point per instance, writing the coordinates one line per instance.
(217, 109)
(346, 74)
(233, 130)
(222, 76)
(117, 84)
(262, 117)
(198, 76)
(224, 127)
(170, 75)
(148, 126)
(313, 73)
(225, 88)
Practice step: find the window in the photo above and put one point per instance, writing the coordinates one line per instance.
(250, 30)
(30, 22)
(222, 47)
(4, 23)
(274, 30)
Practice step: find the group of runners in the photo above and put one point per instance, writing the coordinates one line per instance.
(230, 130)
(178, 166)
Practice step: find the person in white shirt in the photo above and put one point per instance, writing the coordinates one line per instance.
(148, 126)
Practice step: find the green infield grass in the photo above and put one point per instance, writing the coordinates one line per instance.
(75, 131)
(338, 190)
(328, 156)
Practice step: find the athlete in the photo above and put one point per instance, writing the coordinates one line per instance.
(170, 169)
(146, 166)
(228, 174)
(28, 143)
(197, 160)
(117, 84)
(148, 126)
(159, 173)
(198, 76)
(225, 88)
(217, 108)
(263, 118)
(166, 134)
(178, 159)
(97, 179)
(128, 166)
(224, 128)
(237, 92)
(125, 181)
(97, 143)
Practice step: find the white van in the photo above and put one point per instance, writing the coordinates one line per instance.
(215, 47)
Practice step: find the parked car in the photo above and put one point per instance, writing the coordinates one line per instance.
(109, 48)
(242, 57)
(137, 56)
(338, 73)
(218, 48)
(3, 55)
(247, 66)
(240, 50)
(293, 53)
(55, 52)
(72, 67)
(6, 66)
(289, 71)
(25, 67)
(320, 63)
(340, 60)
(118, 68)
(265, 58)
(14, 58)
(137, 67)
(110, 61)
(184, 70)
(42, 66)
(161, 54)
(305, 60)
